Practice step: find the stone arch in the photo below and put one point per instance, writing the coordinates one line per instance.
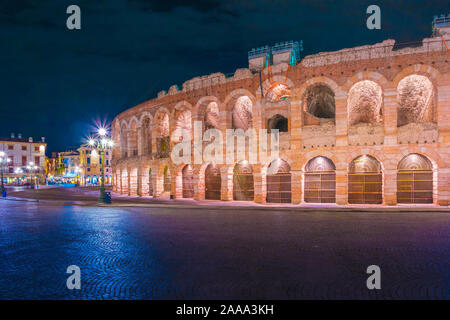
(242, 114)
(278, 182)
(299, 92)
(365, 181)
(230, 102)
(213, 182)
(124, 123)
(364, 102)
(162, 123)
(421, 69)
(162, 132)
(187, 181)
(318, 103)
(124, 140)
(212, 116)
(415, 179)
(243, 183)
(133, 137)
(278, 122)
(146, 134)
(183, 126)
(320, 180)
(415, 99)
(167, 179)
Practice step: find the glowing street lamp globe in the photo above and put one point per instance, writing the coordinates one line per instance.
(102, 132)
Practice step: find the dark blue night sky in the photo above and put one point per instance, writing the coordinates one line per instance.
(55, 82)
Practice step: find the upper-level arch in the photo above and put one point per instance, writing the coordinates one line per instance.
(415, 99)
(364, 102)
(318, 103)
(242, 114)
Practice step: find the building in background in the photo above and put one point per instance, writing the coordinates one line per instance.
(68, 167)
(90, 165)
(51, 165)
(27, 159)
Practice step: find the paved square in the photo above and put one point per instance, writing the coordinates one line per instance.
(189, 253)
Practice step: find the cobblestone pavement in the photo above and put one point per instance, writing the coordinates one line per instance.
(173, 253)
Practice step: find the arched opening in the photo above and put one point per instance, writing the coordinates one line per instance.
(212, 116)
(213, 182)
(242, 113)
(279, 182)
(320, 181)
(146, 132)
(320, 103)
(183, 126)
(188, 181)
(414, 93)
(124, 141)
(415, 179)
(278, 122)
(364, 102)
(166, 180)
(365, 181)
(132, 139)
(162, 139)
(243, 188)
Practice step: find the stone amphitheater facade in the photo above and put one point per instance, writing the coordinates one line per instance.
(366, 125)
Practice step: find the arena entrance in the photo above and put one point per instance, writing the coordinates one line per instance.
(213, 182)
(320, 181)
(188, 181)
(279, 182)
(415, 180)
(365, 181)
(167, 180)
(243, 188)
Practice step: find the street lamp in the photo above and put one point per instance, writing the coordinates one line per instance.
(101, 142)
(3, 162)
(31, 167)
(18, 171)
(78, 170)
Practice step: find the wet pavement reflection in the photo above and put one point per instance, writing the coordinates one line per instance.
(173, 253)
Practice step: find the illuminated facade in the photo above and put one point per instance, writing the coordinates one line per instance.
(21, 152)
(366, 125)
(90, 165)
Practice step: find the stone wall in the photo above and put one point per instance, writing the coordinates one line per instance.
(337, 139)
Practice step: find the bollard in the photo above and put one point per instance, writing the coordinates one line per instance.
(108, 197)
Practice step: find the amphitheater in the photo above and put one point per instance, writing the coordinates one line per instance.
(365, 125)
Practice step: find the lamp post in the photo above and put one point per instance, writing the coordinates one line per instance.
(78, 170)
(3, 161)
(18, 171)
(31, 167)
(101, 142)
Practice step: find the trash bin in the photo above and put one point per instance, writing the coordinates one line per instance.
(108, 197)
(171, 197)
(4, 194)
